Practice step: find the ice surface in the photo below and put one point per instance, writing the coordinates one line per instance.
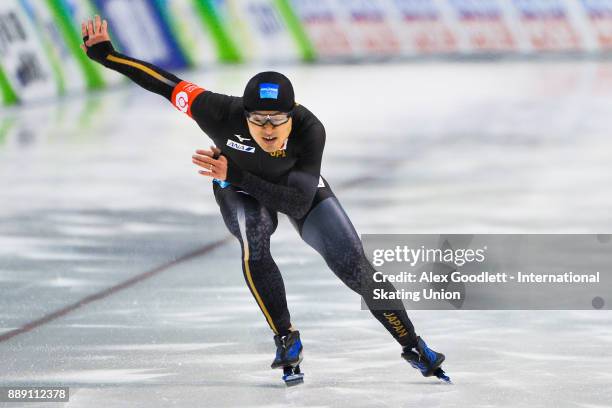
(97, 190)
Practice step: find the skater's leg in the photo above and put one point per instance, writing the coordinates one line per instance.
(252, 224)
(330, 232)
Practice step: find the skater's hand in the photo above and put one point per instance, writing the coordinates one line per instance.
(212, 161)
(94, 32)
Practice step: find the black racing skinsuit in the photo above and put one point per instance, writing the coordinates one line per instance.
(263, 184)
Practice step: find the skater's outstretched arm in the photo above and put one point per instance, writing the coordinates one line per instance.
(97, 45)
(205, 107)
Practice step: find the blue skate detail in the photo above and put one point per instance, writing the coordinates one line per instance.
(222, 183)
(429, 353)
(289, 357)
(426, 360)
(294, 352)
(419, 366)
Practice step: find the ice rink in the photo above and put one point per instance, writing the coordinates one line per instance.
(118, 279)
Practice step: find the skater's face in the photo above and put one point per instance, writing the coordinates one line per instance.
(270, 129)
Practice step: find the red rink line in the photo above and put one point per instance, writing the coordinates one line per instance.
(113, 289)
(348, 184)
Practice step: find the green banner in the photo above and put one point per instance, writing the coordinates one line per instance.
(189, 30)
(297, 30)
(226, 49)
(71, 32)
(8, 94)
(6, 124)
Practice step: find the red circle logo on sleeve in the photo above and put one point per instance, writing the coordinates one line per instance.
(182, 101)
(183, 96)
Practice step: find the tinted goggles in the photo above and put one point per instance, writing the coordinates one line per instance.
(275, 119)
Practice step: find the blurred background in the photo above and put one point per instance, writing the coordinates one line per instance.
(442, 116)
(40, 56)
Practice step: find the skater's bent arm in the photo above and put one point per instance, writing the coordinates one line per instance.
(294, 198)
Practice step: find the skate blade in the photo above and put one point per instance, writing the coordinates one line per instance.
(442, 376)
(293, 379)
(446, 379)
(293, 376)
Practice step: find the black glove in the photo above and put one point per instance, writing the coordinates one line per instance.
(98, 52)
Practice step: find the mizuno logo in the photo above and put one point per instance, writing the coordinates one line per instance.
(242, 139)
(240, 146)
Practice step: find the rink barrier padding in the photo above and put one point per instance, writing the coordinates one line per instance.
(72, 37)
(447, 28)
(8, 95)
(155, 43)
(227, 51)
(296, 28)
(23, 60)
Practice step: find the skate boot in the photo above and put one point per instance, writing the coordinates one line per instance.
(427, 361)
(288, 357)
